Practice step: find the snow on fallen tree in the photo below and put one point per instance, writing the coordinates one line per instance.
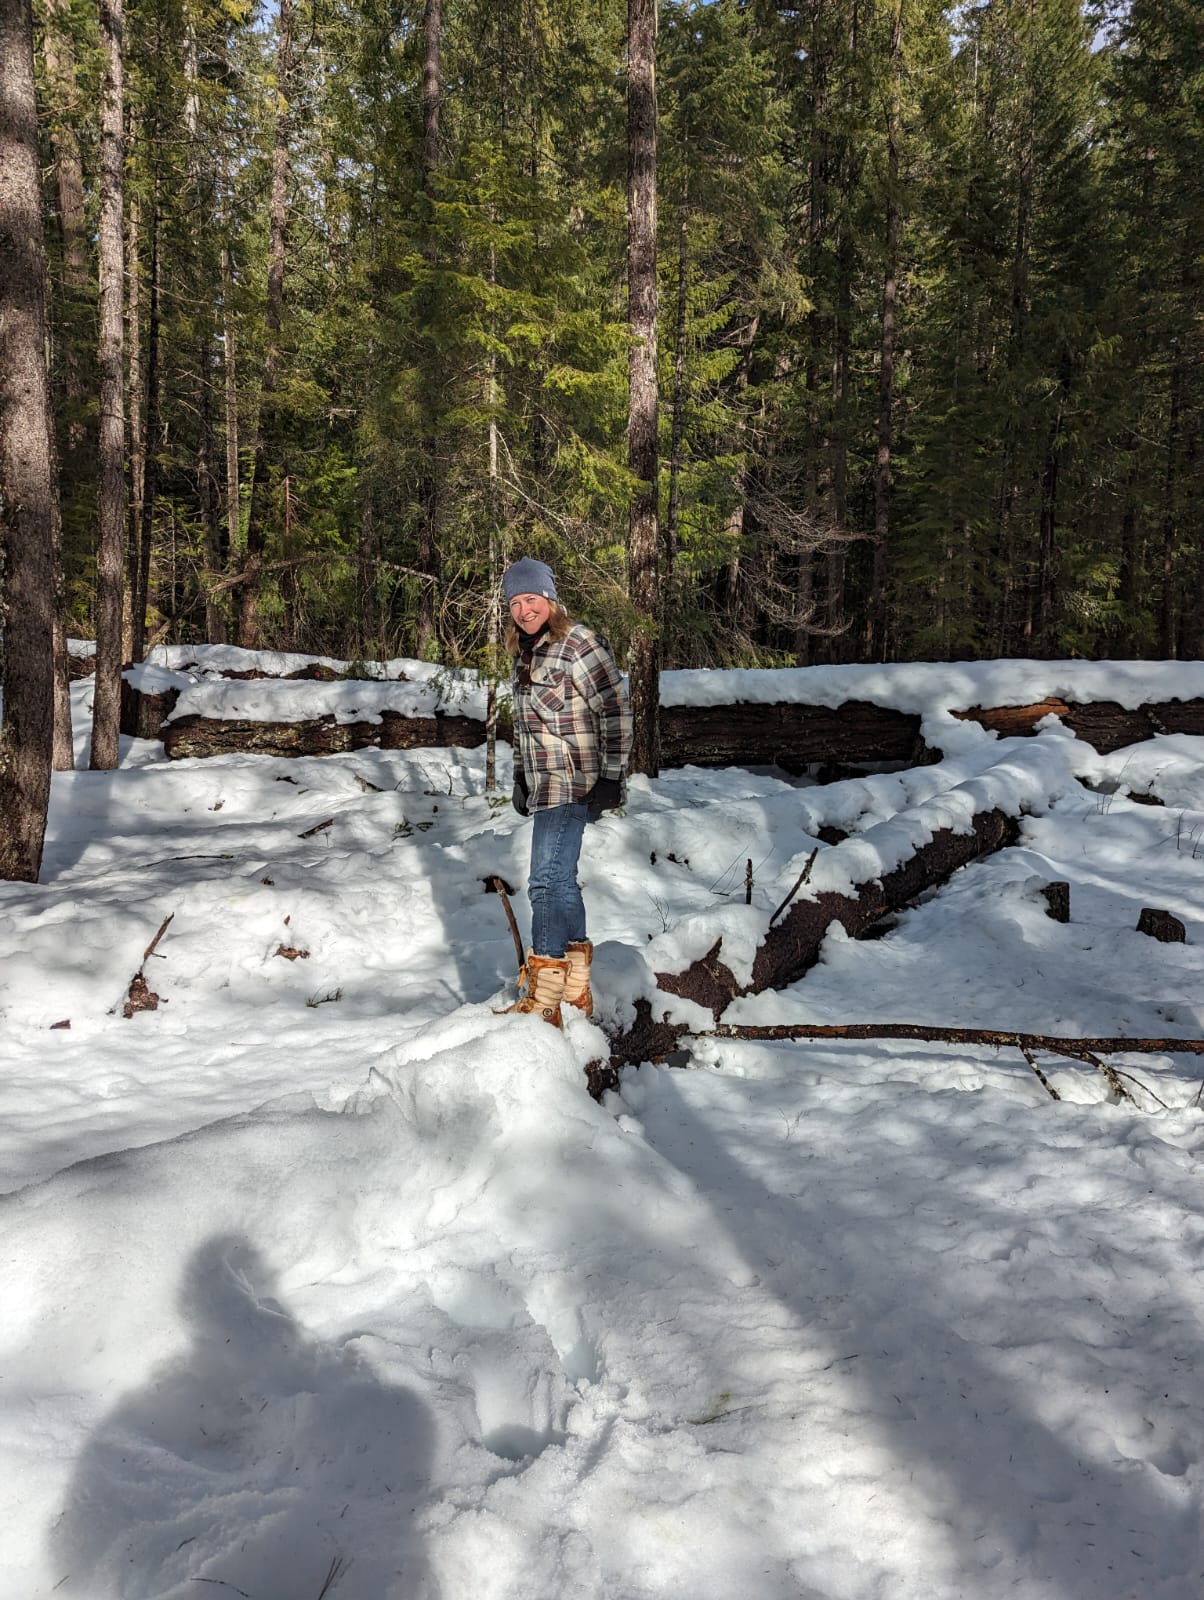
(210, 700)
(694, 974)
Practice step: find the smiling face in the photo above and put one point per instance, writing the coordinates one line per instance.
(530, 611)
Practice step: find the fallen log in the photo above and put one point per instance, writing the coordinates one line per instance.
(1104, 724)
(791, 736)
(792, 946)
(143, 715)
(193, 736)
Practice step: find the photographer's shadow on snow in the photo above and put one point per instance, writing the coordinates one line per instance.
(259, 1460)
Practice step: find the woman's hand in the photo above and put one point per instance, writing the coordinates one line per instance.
(606, 795)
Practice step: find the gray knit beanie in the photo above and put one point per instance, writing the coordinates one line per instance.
(528, 576)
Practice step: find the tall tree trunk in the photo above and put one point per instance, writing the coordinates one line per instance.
(883, 473)
(677, 428)
(150, 464)
(1168, 611)
(429, 507)
(1168, 608)
(137, 411)
(58, 52)
(230, 371)
(266, 431)
(642, 541)
(28, 506)
(106, 694)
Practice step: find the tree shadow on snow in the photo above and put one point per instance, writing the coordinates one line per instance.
(1002, 1487)
(259, 1462)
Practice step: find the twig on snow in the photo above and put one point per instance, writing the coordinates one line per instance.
(1032, 1061)
(798, 884)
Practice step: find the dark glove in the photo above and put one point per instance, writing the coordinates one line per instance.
(518, 797)
(606, 795)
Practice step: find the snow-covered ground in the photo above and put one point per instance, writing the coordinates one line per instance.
(324, 1280)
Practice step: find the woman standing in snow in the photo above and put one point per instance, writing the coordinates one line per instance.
(572, 737)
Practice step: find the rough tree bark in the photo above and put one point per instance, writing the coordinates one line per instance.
(883, 475)
(642, 539)
(230, 370)
(427, 560)
(106, 698)
(149, 483)
(265, 433)
(29, 505)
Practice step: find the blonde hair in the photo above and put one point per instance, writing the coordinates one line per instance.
(559, 626)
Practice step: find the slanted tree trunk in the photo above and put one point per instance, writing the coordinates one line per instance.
(29, 504)
(642, 552)
(106, 695)
(266, 431)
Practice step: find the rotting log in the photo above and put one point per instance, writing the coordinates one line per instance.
(791, 736)
(213, 736)
(794, 737)
(1104, 724)
(143, 715)
(792, 946)
(398, 732)
(1161, 925)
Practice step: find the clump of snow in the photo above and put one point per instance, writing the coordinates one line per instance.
(921, 686)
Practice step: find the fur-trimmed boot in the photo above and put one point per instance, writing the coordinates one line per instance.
(545, 978)
(577, 991)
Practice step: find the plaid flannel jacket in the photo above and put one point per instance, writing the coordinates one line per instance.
(571, 722)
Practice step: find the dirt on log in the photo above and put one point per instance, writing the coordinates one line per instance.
(793, 946)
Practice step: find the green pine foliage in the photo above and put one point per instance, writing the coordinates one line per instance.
(451, 386)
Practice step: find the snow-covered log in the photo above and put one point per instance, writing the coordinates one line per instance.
(1105, 724)
(788, 949)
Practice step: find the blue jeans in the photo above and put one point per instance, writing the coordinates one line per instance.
(557, 909)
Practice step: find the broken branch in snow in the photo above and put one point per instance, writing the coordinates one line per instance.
(497, 885)
(140, 996)
(1086, 1050)
(163, 926)
(1032, 1061)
